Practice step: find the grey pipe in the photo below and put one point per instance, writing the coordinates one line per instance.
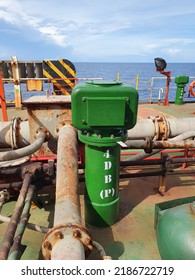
(29, 225)
(7, 133)
(26, 151)
(146, 128)
(176, 142)
(144, 155)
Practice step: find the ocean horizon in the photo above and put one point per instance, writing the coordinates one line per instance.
(141, 75)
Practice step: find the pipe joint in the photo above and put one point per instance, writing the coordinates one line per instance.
(15, 132)
(162, 127)
(59, 232)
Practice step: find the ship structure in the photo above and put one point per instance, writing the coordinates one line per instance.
(89, 172)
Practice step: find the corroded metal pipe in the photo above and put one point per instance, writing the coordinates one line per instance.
(12, 226)
(67, 207)
(16, 250)
(176, 142)
(144, 144)
(29, 150)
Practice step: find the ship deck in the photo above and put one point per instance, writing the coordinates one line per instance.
(133, 237)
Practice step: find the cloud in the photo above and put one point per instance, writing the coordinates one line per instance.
(173, 52)
(95, 29)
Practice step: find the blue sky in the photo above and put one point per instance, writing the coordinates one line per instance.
(98, 30)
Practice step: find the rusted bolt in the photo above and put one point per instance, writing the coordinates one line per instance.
(87, 241)
(59, 234)
(47, 245)
(77, 233)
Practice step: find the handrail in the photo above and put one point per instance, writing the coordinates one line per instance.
(138, 82)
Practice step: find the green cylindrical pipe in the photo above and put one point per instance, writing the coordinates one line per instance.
(102, 180)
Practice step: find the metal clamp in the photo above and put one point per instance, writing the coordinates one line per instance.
(58, 232)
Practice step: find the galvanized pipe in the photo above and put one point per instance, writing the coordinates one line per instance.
(12, 226)
(26, 151)
(67, 207)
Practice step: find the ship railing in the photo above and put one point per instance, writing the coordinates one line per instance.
(153, 89)
(150, 90)
(27, 87)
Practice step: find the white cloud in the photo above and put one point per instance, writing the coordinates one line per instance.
(101, 28)
(173, 51)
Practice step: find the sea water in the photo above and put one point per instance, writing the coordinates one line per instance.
(149, 82)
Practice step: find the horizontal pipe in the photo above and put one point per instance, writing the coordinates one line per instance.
(30, 226)
(144, 154)
(26, 151)
(144, 144)
(146, 128)
(21, 134)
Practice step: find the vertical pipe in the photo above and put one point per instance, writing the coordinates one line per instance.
(102, 181)
(12, 226)
(67, 207)
(2, 100)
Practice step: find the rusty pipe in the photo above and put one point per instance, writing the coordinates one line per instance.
(26, 151)
(143, 155)
(144, 144)
(67, 206)
(12, 226)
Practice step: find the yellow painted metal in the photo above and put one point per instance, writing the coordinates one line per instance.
(137, 82)
(61, 73)
(16, 76)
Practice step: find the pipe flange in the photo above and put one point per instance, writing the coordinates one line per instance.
(14, 132)
(156, 127)
(57, 233)
(162, 127)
